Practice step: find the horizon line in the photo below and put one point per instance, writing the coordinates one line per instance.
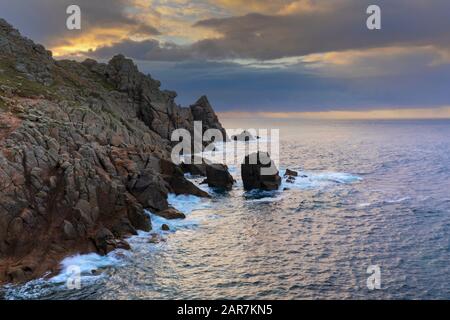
(438, 113)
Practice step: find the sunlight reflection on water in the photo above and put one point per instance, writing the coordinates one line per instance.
(369, 193)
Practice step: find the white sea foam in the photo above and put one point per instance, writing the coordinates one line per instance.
(187, 203)
(88, 264)
(91, 264)
(184, 203)
(399, 200)
(313, 180)
(272, 198)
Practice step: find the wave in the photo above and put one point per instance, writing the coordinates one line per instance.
(317, 180)
(88, 264)
(91, 266)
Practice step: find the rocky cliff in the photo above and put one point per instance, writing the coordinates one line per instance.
(84, 149)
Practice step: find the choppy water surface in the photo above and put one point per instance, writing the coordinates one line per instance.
(371, 193)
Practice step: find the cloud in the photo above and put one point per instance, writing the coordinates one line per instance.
(233, 87)
(103, 22)
(304, 28)
(342, 27)
(293, 55)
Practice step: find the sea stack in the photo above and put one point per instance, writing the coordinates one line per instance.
(260, 172)
(217, 176)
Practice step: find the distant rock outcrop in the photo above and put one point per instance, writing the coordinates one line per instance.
(243, 136)
(253, 176)
(84, 149)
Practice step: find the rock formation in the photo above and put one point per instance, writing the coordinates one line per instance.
(217, 176)
(84, 149)
(253, 176)
(291, 173)
(202, 111)
(197, 167)
(243, 136)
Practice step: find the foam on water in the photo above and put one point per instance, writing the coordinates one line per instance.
(317, 180)
(187, 203)
(89, 264)
(314, 240)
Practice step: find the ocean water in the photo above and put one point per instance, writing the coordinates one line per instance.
(369, 193)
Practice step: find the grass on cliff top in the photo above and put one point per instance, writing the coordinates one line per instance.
(65, 74)
(10, 77)
(77, 75)
(24, 87)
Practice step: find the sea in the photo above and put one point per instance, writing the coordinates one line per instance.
(368, 217)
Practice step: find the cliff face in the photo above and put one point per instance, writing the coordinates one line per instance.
(84, 149)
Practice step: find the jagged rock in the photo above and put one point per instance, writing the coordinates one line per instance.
(217, 176)
(149, 190)
(197, 167)
(253, 176)
(178, 184)
(171, 214)
(202, 111)
(84, 150)
(69, 230)
(104, 241)
(165, 227)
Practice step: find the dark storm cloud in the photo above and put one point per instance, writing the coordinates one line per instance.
(394, 79)
(142, 50)
(340, 27)
(45, 20)
(233, 88)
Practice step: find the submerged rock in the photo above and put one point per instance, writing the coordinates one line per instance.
(290, 179)
(155, 238)
(291, 173)
(260, 172)
(165, 227)
(171, 214)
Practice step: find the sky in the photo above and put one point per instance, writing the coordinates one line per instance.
(278, 58)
